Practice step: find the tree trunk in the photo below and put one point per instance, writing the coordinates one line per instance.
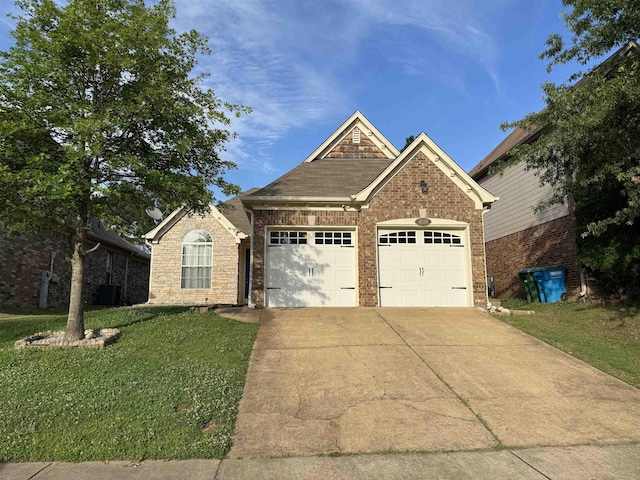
(75, 321)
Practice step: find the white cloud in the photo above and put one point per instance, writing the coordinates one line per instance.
(290, 60)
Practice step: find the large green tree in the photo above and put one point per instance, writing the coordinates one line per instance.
(589, 146)
(100, 116)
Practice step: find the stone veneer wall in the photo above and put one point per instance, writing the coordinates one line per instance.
(550, 244)
(166, 265)
(399, 198)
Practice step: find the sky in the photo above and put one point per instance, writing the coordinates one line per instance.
(454, 69)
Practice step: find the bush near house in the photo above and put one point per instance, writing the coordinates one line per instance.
(607, 337)
(169, 388)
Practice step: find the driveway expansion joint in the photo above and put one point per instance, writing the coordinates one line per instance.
(529, 465)
(40, 471)
(458, 396)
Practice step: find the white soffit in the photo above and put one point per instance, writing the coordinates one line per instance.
(439, 158)
(366, 128)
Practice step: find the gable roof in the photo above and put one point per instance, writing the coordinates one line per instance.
(235, 213)
(371, 132)
(323, 178)
(234, 219)
(439, 158)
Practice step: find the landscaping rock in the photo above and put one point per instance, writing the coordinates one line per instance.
(55, 339)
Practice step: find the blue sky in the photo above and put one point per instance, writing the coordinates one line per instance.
(454, 69)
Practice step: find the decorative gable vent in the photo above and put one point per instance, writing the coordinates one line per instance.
(356, 136)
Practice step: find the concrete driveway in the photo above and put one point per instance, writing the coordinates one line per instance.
(325, 381)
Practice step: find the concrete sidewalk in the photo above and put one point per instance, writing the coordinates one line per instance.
(611, 462)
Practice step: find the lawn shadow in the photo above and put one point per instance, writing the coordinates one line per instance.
(128, 316)
(24, 323)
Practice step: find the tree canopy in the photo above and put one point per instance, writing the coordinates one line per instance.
(589, 145)
(101, 116)
(99, 110)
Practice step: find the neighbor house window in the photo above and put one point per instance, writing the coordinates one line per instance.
(197, 248)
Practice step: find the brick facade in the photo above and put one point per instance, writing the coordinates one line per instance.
(24, 257)
(166, 265)
(550, 244)
(347, 149)
(400, 198)
(128, 272)
(22, 260)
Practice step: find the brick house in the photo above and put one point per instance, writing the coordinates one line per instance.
(356, 223)
(201, 260)
(531, 239)
(546, 238)
(359, 223)
(118, 272)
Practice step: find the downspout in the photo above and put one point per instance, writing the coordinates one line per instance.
(126, 274)
(583, 285)
(250, 303)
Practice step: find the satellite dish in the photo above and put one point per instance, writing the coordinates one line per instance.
(154, 213)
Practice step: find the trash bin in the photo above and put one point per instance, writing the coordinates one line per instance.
(551, 283)
(530, 284)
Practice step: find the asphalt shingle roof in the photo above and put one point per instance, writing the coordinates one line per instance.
(325, 178)
(234, 211)
(99, 233)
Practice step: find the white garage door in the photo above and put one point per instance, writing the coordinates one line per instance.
(311, 269)
(423, 268)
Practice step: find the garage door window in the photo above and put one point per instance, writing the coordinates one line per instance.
(397, 237)
(287, 238)
(442, 237)
(333, 238)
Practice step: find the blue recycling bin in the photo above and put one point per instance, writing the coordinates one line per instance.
(551, 283)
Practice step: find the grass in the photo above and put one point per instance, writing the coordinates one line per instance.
(607, 337)
(169, 388)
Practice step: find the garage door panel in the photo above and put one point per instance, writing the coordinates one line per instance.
(407, 256)
(307, 274)
(424, 273)
(454, 256)
(455, 277)
(390, 296)
(434, 257)
(411, 296)
(435, 277)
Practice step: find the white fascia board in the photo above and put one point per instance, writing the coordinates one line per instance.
(160, 228)
(289, 199)
(154, 235)
(439, 158)
(224, 221)
(357, 118)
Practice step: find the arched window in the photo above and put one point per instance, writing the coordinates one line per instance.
(197, 247)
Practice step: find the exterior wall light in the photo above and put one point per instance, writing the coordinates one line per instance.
(424, 188)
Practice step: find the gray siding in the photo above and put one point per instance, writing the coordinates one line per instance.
(519, 191)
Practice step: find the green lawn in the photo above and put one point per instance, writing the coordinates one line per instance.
(169, 388)
(606, 337)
